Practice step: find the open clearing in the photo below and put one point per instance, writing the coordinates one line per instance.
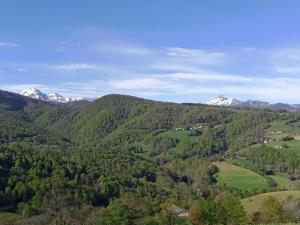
(252, 204)
(238, 177)
(293, 146)
(280, 129)
(280, 179)
(284, 127)
(181, 135)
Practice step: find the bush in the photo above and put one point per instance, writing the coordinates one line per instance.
(288, 138)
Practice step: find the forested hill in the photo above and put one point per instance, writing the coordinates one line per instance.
(123, 119)
(123, 158)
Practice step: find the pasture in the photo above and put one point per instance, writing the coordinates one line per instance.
(252, 204)
(291, 146)
(238, 177)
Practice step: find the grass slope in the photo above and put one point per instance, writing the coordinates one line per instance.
(280, 129)
(293, 146)
(282, 181)
(252, 204)
(238, 177)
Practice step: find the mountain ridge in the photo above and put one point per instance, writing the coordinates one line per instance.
(49, 97)
(221, 101)
(232, 102)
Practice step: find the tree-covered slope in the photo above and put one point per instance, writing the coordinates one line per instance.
(131, 149)
(118, 119)
(23, 118)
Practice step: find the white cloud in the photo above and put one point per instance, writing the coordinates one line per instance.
(64, 46)
(287, 54)
(75, 66)
(198, 56)
(101, 69)
(138, 83)
(122, 49)
(248, 49)
(178, 73)
(176, 86)
(288, 69)
(18, 87)
(220, 78)
(8, 45)
(286, 60)
(211, 76)
(21, 69)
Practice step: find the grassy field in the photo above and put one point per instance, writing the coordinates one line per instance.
(253, 203)
(7, 217)
(293, 146)
(238, 177)
(282, 181)
(285, 128)
(181, 135)
(241, 161)
(280, 129)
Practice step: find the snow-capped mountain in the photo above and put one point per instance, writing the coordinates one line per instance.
(224, 101)
(34, 93)
(232, 102)
(50, 97)
(54, 97)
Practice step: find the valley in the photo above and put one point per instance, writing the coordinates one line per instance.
(120, 155)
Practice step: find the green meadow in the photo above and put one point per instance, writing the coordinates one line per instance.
(238, 177)
(291, 146)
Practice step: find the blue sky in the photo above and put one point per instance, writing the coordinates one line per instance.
(182, 51)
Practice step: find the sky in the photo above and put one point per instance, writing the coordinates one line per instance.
(168, 50)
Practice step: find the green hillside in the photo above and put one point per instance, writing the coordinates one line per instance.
(147, 159)
(253, 203)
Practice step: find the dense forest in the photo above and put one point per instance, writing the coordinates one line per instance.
(126, 160)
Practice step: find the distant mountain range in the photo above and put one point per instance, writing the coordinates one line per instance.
(50, 97)
(232, 102)
(218, 101)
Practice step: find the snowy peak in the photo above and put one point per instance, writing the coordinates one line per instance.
(34, 93)
(54, 97)
(224, 101)
(51, 97)
(75, 99)
(231, 102)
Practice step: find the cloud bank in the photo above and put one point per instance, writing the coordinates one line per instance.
(166, 73)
